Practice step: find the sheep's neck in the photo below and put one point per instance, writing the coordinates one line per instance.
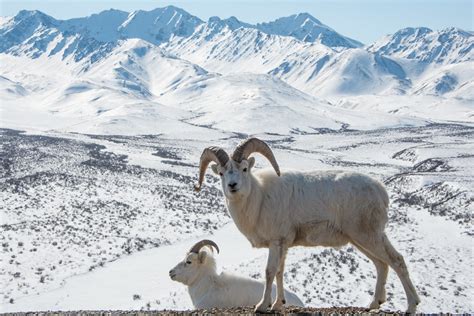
(201, 286)
(246, 211)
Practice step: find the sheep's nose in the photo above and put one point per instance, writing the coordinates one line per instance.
(232, 185)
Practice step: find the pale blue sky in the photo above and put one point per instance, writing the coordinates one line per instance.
(364, 20)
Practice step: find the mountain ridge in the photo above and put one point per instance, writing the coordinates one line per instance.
(121, 20)
(449, 45)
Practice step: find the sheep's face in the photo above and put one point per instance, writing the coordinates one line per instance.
(190, 269)
(235, 178)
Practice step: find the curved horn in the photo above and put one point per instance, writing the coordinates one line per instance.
(251, 145)
(205, 242)
(209, 154)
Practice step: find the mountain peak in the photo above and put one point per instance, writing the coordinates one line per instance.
(417, 31)
(232, 19)
(29, 13)
(307, 28)
(304, 16)
(33, 15)
(172, 8)
(110, 13)
(216, 25)
(166, 12)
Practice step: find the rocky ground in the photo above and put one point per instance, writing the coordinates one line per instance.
(219, 311)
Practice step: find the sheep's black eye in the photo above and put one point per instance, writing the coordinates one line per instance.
(244, 170)
(188, 262)
(221, 174)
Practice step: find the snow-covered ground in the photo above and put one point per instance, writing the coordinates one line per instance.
(103, 120)
(92, 222)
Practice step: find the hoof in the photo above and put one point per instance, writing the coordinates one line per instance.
(412, 306)
(375, 304)
(276, 307)
(262, 307)
(411, 309)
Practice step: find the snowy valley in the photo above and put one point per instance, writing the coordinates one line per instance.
(103, 120)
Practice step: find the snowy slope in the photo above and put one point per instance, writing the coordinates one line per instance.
(452, 80)
(11, 89)
(351, 72)
(117, 95)
(143, 69)
(255, 104)
(220, 48)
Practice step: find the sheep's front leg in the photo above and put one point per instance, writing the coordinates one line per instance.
(280, 298)
(270, 271)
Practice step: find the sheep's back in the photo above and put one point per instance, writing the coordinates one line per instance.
(340, 197)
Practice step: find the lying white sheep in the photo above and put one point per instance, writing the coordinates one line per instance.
(209, 289)
(315, 208)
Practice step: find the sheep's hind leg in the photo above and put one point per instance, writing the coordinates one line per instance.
(381, 248)
(402, 271)
(270, 271)
(382, 272)
(280, 297)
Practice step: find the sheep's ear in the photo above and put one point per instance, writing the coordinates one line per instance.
(214, 168)
(202, 256)
(251, 162)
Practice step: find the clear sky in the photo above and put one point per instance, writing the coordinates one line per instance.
(364, 20)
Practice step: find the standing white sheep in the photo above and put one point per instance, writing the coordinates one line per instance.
(318, 208)
(209, 289)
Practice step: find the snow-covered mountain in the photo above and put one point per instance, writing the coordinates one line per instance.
(314, 68)
(169, 57)
(311, 67)
(23, 26)
(220, 48)
(307, 28)
(33, 33)
(103, 26)
(451, 45)
(158, 25)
